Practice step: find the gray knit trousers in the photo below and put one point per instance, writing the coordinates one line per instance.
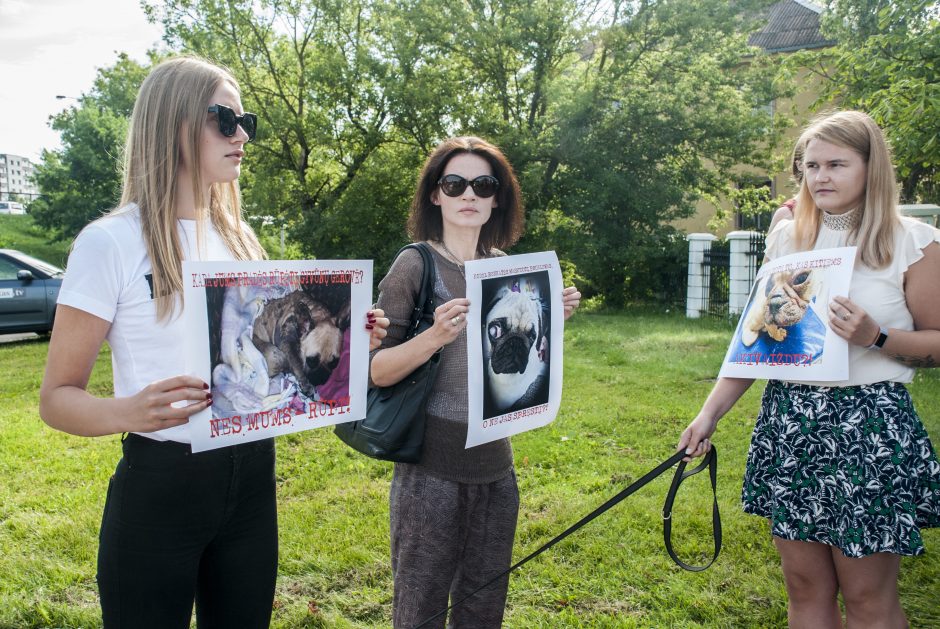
(448, 539)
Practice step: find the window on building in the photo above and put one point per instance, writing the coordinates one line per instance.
(753, 201)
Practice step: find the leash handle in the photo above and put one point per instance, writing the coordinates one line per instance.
(710, 461)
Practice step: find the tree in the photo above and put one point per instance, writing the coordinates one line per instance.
(83, 179)
(887, 63)
(617, 115)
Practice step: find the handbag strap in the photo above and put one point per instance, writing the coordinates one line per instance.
(424, 306)
(710, 461)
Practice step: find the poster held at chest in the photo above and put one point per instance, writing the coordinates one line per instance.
(514, 344)
(784, 330)
(282, 344)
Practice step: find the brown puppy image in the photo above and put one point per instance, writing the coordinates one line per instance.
(781, 304)
(299, 335)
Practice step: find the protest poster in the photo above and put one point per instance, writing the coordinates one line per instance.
(784, 330)
(282, 344)
(514, 344)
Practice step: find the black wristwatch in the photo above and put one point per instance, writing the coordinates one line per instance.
(880, 341)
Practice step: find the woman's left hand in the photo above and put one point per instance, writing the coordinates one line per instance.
(570, 299)
(377, 325)
(851, 322)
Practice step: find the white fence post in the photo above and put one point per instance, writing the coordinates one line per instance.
(742, 270)
(696, 300)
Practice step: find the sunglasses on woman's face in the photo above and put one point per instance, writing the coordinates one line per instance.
(483, 186)
(229, 122)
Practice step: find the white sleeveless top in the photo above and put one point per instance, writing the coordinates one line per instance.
(879, 291)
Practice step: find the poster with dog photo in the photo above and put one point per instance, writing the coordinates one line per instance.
(514, 344)
(275, 340)
(784, 330)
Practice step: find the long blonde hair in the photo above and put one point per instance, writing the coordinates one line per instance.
(172, 98)
(874, 233)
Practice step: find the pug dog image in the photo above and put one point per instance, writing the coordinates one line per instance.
(515, 348)
(301, 336)
(780, 303)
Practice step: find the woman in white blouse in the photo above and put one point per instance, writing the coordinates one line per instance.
(845, 472)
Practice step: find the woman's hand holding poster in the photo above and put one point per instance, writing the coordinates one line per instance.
(282, 344)
(784, 331)
(514, 344)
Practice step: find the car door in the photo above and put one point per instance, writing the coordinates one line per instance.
(22, 302)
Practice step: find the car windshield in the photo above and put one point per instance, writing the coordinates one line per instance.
(45, 267)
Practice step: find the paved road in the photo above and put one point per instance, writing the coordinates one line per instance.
(10, 338)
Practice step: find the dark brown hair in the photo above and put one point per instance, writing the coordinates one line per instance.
(506, 222)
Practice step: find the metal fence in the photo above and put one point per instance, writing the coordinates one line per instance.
(715, 273)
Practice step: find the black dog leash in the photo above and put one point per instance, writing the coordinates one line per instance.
(710, 461)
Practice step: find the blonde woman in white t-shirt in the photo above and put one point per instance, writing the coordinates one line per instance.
(845, 472)
(178, 528)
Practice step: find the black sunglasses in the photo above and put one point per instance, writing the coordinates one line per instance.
(483, 186)
(229, 122)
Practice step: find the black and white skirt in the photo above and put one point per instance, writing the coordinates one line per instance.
(851, 467)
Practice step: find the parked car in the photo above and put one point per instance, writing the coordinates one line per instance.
(28, 291)
(11, 207)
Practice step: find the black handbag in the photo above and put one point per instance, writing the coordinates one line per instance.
(393, 429)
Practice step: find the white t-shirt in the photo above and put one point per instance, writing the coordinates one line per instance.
(879, 291)
(109, 276)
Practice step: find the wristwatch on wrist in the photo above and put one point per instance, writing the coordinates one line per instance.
(880, 341)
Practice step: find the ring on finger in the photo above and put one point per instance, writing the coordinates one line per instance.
(846, 316)
(455, 320)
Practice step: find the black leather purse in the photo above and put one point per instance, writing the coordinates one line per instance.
(393, 429)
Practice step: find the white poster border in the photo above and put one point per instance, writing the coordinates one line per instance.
(272, 278)
(484, 430)
(825, 358)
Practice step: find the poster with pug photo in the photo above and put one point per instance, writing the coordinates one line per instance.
(784, 330)
(282, 344)
(514, 344)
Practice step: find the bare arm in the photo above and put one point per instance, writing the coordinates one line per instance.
(724, 395)
(65, 404)
(917, 348)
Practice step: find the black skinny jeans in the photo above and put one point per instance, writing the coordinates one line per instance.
(181, 527)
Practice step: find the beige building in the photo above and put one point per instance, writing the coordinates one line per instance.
(792, 25)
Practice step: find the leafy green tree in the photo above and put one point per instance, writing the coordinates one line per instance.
(616, 115)
(82, 180)
(887, 63)
(312, 71)
(670, 105)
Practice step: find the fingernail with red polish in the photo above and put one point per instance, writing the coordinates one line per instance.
(205, 385)
(369, 326)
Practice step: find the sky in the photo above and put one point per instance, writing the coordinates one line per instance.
(55, 47)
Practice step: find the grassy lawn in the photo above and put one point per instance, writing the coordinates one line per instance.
(632, 382)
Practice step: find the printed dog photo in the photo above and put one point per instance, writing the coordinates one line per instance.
(515, 320)
(274, 345)
(779, 303)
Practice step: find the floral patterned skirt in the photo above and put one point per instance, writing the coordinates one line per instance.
(851, 467)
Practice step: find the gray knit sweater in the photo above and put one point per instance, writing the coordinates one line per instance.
(445, 454)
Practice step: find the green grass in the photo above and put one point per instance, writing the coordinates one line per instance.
(18, 231)
(632, 383)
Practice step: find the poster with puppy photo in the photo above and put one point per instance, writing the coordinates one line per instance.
(282, 344)
(784, 330)
(514, 344)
